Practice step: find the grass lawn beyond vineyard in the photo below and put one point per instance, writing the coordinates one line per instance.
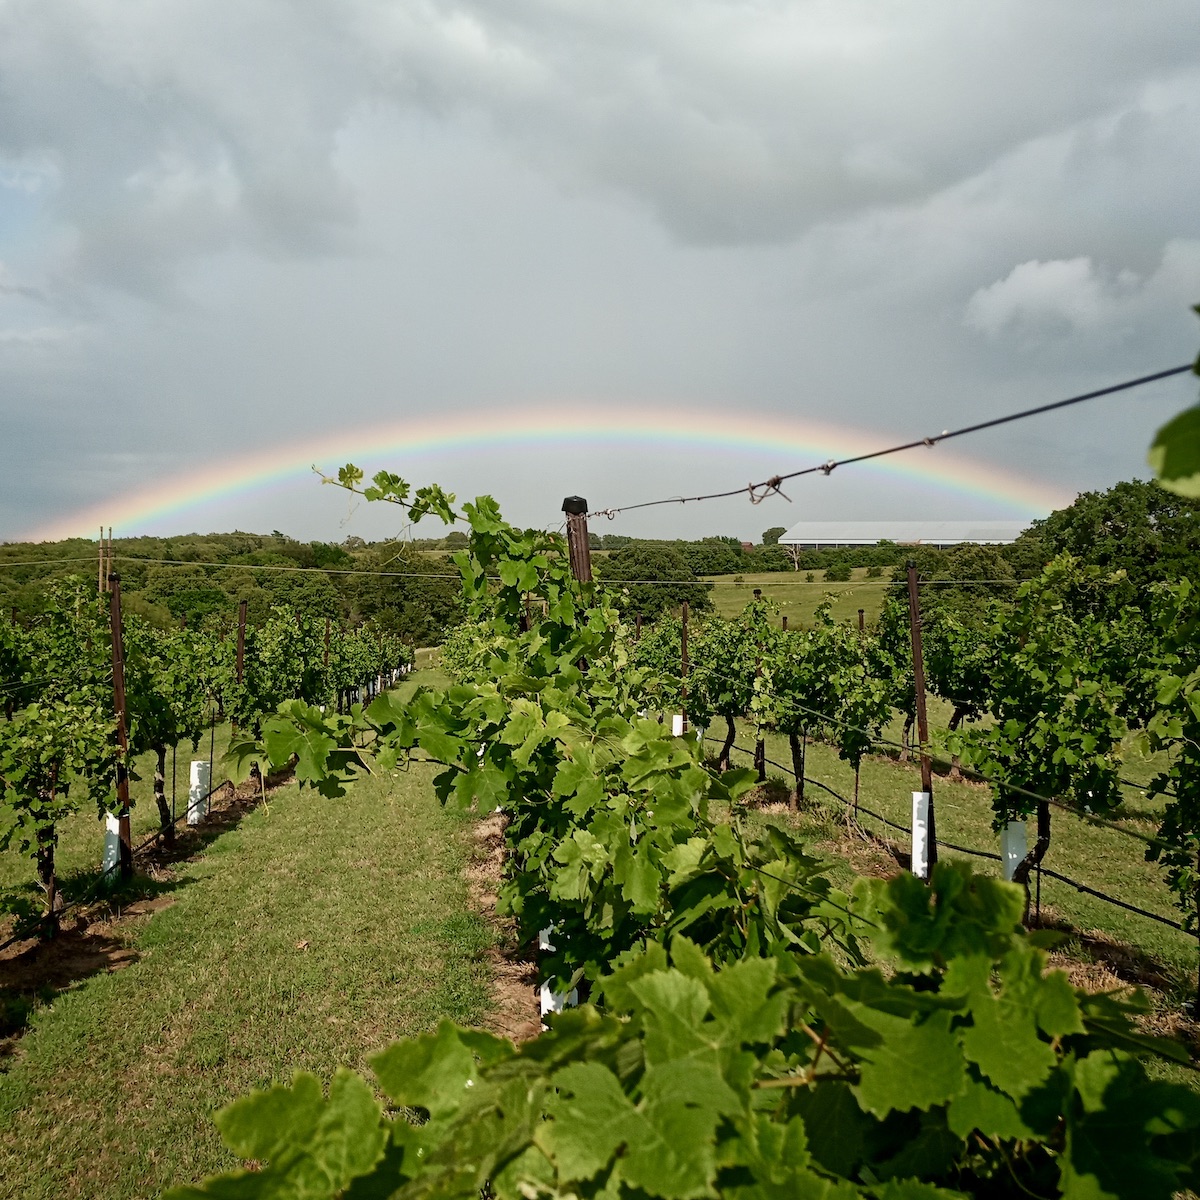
(796, 598)
(311, 934)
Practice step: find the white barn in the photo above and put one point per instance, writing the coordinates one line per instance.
(819, 535)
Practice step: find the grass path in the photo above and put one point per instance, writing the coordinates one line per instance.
(312, 934)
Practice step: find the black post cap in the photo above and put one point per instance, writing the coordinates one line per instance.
(575, 505)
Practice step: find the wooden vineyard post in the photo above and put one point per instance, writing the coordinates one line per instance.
(100, 584)
(578, 547)
(785, 622)
(637, 628)
(118, 662)
(579, 552)
(241, 650)
(325, 660)
(860, 620)
(760, 743)
(241, 641)
(924, 827)
(684, 667)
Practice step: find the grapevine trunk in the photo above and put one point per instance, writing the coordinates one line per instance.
(799, 747)
(47, 839)
(160, 793)
(1035, 855)
(731, 733)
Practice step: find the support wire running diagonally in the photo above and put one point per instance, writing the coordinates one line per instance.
(759, 491)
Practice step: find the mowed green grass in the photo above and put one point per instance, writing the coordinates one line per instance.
(796, 598)
(312, 934)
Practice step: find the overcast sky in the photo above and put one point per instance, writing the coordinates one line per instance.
(227, 226)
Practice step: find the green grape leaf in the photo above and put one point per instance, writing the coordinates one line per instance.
(742, 1005)
(983, 1107)
(683, 861)
(642, 884)
(914, 1189)
(433, 1072)
(671, 1151)
(1057, 1006)
(240, 757)
(675, 1010)
(309, 744)
(528, 1173)
(927, 1152)
(1002, 1039)
(578, 778)
(485, 784)
(313, 1148)
(1107, 1151)
(914, 1064)
(439, 744)
(838, 1129)
(697, 1081)
(263, 1123)
(617, 987)
(1003, 1042)
(1174, 454)
(593, 1119)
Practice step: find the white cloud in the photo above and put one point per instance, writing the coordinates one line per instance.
(1039, 299)
(1047, 293)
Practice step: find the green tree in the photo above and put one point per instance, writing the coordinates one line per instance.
(650, 580)
(406, 593)
(820, 680)
(771, 536)
(714, 555)
(1140, 528)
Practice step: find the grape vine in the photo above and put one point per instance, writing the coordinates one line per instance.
(751, 1031)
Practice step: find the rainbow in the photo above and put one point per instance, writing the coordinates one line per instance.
(780, 443)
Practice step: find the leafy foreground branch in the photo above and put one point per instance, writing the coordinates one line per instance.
(969, 1069)
(740, 1039)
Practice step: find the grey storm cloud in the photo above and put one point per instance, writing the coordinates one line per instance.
(170, 130)
(215, 212)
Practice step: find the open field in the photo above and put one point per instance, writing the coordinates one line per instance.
(796, 598)
(309, 933)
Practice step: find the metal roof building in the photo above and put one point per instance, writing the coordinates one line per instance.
(814, 535)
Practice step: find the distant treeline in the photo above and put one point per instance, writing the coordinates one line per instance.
(1134, 528)
(200, 579)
